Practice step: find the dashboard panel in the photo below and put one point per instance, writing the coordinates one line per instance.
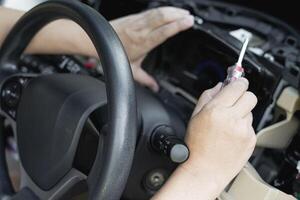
(193, 61)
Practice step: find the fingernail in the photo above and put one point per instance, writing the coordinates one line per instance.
(244, 80)
(188, 20)
(218, 85)
(155, 88)
(186, 11)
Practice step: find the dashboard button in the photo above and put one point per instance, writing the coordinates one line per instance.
(11, 94)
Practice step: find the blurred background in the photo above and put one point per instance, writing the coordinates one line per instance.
(287, 10)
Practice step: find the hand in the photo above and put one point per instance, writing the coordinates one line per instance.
(220, 134)
(142, 32)
(221, 140)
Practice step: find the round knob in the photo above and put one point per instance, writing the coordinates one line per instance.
(179, 153)
(11, 94)
(165, 141)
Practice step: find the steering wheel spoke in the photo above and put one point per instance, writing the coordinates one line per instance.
(67, 187)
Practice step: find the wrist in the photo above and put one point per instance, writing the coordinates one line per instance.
(191, 180)
(201, 171)
(85, 45)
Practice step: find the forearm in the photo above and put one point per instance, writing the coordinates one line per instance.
(8, 19)
(59, 37)
(189, 182)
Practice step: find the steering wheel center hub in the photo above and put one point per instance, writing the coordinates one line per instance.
(50, 118)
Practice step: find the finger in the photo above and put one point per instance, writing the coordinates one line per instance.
(162, 33)
(247, 125)
(249, 119)
(206, 96)
(245, 104)
(142, 77)
(159, 16)
(232, 92)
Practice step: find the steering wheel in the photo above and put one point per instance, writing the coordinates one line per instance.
(49, 111)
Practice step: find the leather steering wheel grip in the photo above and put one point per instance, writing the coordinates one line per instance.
(109, 175)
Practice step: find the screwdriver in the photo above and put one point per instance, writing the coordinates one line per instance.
(236, 71)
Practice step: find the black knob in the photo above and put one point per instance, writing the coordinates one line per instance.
(11, 94)
(165, 141)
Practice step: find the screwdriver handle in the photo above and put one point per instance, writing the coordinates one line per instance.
(233, 72)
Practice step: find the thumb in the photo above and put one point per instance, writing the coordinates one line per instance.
(145, 79)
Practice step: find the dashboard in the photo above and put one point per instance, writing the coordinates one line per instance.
(184, 67)
(187, 67)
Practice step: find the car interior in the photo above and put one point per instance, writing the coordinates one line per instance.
(58, 124)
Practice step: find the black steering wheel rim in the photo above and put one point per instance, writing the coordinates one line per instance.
(120, 90)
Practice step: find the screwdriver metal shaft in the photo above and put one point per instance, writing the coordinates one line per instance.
(243, 51)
